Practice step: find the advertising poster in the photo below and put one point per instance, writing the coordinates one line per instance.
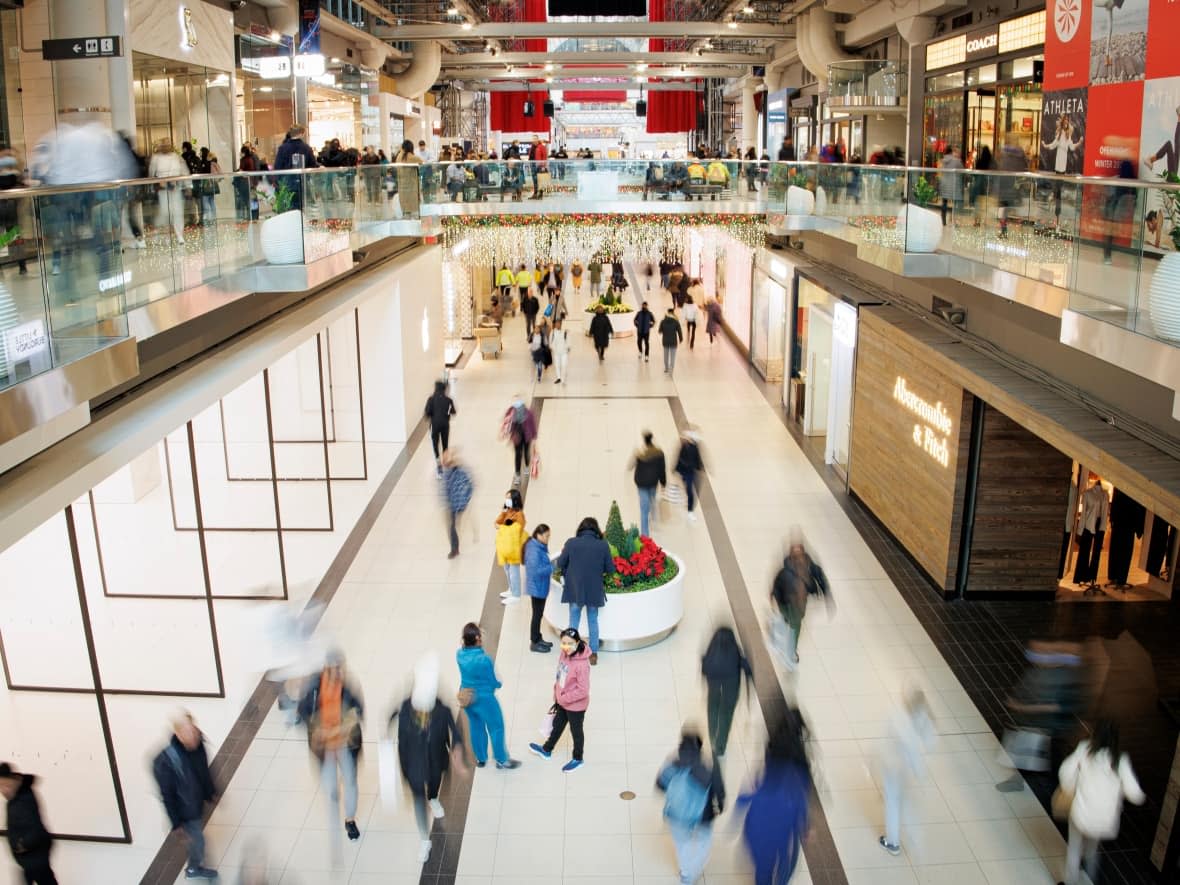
(309, 28)
(1112, 136)
(1159, 144)
(1063, 131)
(1067, 44)
(1162, 58)
(1118, 41)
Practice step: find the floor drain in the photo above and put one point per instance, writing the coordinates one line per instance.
(626, 795)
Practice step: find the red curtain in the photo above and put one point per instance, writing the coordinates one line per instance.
(674, 110)
(536, 11)
(508, 112)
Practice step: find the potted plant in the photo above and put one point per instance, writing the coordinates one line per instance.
(922, 226)
(282, 233)
(645, 596)
(617, 312)
(1164, 294)
(800, 200)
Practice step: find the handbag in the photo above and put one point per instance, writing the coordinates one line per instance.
(535, 467)
(546, 728)
(465, 697)
(548, 310)
(1061, 803)
(1026, 749)
(546, 355)
(543, 180)
(387, 768)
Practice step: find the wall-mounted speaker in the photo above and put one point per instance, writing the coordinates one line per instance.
(547, 108)
(529, 109)
(641, 108)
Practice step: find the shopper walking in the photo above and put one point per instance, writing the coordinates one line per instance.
(584, 561)
(524, 283)
(181, 771)
(713, 315)
(538, 571)
(559, 344)
(505, 280)
(28, 837)
(576, 272)
(688, 464)
(670, 336)
(477, 694)
(776, 807)
(601, 331)
(571, 699)
(520, 428)
(440, 408)
(644, 321)
(457, 489)
(333, 711)
(798, 579)
(530, 306)
(723, 666)
(911, 732)
(539, 348)
(1099, 777)
(691, 314)
(428, 744)
(166, 164)
(650, 472)
(595, 268)
(694, 795)
(510, 538)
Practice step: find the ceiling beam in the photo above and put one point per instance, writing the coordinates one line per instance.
(561, 59)
(485, 86)
(585, 30)
(622, 72)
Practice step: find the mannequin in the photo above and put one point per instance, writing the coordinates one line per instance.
(1126, 523)
(1157, 550)
(1095, 515)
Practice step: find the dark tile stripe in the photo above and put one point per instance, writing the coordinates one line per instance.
(170, 859)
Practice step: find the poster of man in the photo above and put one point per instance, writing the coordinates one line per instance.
(1118, 41)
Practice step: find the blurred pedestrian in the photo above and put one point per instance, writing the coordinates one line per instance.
(644, 322)
(505, 280)
(333, 711)
(571, 699)
(440, 408)
(713, 317)
(539, 348)
(477, 695)
(27, 835)
(538, 570)
(298, 650)
(166, 164)
(559, 343)
(584, 561)
(510, 539)
(457, 489)
(595, 268)
(1098, 777)
(694, 795)
(691, 315)
(530, 306)
(650, 472)
(723, 666)
(601, 331)
(428, 744)
(670, 336)
(798, 579)
(181, 771)
(576, 276)
(688, 464)
(519, 426)
(524, 283)
(911, 732)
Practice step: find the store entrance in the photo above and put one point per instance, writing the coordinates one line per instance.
(1113, 548)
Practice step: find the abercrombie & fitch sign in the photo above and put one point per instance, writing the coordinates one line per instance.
(983, 43)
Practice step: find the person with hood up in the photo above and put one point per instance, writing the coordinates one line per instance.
(688, 464)
(428, 744)
(181, 771)
(538, 570)
(650, 473)
(694, 797)
(644, 321)
(520, 428)
(27, 835)
(670, 336)
(294, 153)
(571, 699)
(601, 331)
(911, 732)
(799, 578)
(477, 695)
(584, 561)
(722, 667)
(440, 408)
(510, 540)
(776, 807)
(333, 711)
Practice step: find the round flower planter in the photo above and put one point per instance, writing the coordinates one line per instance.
(923, 228)
(800, 201)
(1165, 297)
(628, 620)
(282, 238)
(623, 324)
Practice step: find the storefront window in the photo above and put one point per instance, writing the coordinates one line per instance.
(265, 92)
(942, 125)
(181, 102)
(768, 342)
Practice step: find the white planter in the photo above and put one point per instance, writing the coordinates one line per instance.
(800, 201)
(623, 324)
(628, 620)
(1165, 297)
(282, 238)
(821, 200)
(923, 228)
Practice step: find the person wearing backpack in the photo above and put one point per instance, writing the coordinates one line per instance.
(694, 796)
(457, 489)
(723, 666)
(798, 579)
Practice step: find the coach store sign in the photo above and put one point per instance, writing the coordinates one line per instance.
(983, 43)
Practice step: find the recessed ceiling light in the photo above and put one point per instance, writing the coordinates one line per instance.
(747, 9)
(467, 26)
(549, 66)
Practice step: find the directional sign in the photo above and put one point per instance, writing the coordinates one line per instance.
(81, 47)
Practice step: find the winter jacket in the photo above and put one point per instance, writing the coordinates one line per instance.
(713, 311)
(810, 577)
(439, 409)
(601, 330)
(425, 753)
(476, 671)
(293, 147)
(524, 279)
(457, 488)
(1098, 790)
(649, 468)
(505, 277)
(538, 568)
(776, 809)
(644, 320)
(572, 688)
(689, 759)
(595, 272)
(689, 460)
(670, 333)
(524, 425)
(510, 537)
(530, 306)
(584, 560)
(350, 701)
(26, 830)
(183, 778)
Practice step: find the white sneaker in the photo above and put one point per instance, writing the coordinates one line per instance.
(692, 517)
(424, 851)
(141, 243)
(510, 600)
(436, 808)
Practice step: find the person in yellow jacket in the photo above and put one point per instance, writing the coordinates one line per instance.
(696, 172)
(524, 281)
(505, 280)
(510, 541)
(717, 173)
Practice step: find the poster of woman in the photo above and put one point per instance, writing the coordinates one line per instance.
(1160, 140)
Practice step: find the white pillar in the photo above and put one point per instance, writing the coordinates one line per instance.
(118, 13)
(82, 87)
(749, 116)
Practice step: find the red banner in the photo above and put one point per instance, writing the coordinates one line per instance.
(1067, 44)
(1163, 21)
(1112, 127)
(599, 96)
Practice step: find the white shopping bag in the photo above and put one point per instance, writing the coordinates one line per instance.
(389, 775)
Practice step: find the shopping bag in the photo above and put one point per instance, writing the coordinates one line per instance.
(387, 768)
(1027, 750)
(673, 493)
(546, 728)
(543, 181)
(535, 467)
(1061, 803)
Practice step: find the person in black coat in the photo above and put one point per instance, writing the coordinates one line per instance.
(27, 836)
(439, 409)
(181, 771)
(722, 666)
(585, 560)
(688, 464)
(294, 153)
(644, 321)
(798, 579)
(601, 331)
(530, 306)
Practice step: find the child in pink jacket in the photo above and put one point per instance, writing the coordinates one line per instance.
(571, 696)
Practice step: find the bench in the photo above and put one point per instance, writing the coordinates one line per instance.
(700, 190)
(664, 188)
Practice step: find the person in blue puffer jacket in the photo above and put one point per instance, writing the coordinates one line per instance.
(538, 570)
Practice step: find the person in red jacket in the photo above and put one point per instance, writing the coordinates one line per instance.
(571, 697)
(539, 154)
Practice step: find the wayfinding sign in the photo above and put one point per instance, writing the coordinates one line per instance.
(81, 47)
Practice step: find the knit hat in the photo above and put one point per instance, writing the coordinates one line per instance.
(424, 695)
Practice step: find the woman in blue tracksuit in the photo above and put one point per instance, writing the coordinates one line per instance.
(477, 673)
(538, 570)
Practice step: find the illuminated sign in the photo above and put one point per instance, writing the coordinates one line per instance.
(273, 67)
(983, 43)
(309, 65)
(23, 342)
(933, 434)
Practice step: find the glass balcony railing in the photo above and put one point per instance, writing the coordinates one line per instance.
(867, 83)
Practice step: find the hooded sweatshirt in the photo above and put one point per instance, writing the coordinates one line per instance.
(572, 688)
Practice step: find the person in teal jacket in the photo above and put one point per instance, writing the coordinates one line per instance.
(478, 673)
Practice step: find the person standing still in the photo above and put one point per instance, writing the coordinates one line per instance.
(670, 337)
(650, 474)
(584, 561)
(439, 409)
(457, 489)
(478, 683)
(688, 464)
(538, 570)
(510, 540)
(691, 314)
(601, 331)
(27, 835)
(595, 268)
(560, 345)
(644, 321)
(181, 771)
(571, 699)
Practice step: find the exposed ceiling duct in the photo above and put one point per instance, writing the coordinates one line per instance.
(423, 71)
(816, 40)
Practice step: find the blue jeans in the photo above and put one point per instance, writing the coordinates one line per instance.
(512, 570)
(196, 843)
(692, 848)
(591, 618)
(487, 721)
(647, 503)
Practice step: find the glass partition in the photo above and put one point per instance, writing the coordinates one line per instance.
(867, 83)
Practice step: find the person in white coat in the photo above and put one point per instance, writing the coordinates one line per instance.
(1098, 777)
(911, 732)
(559, 344)
(166, 163)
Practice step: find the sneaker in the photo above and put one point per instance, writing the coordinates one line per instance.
(436, 808)
(438, 471)
(141, 243)
(505, 593)
(594, 659)
(350, 827)
(508, 764)
(56, 270)
(572, 765)
(481, 764)
(424, 850)
(558, 381)
(452, 554)
(540, 648)
(692, 517)
(200, 873)
(538, 750)
(510, 600)
(895, 850)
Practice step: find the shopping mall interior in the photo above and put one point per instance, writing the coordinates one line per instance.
(722, 313)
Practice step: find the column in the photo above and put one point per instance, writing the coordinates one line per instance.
(915, 31)
(119, 74)
(82, 88)
(749, 116)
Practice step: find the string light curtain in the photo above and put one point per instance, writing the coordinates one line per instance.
(507, 108)
(672, 110)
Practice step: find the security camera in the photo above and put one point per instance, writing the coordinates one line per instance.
(956, 316)
(235, 5)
